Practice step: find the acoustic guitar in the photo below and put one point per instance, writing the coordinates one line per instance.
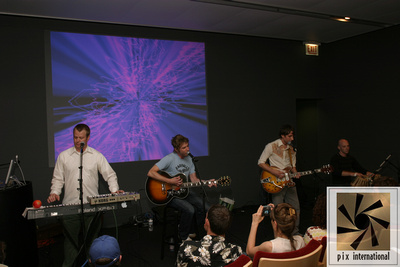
(273, 185)
(160, 193)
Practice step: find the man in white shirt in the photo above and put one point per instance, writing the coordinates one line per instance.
(282, 160)
(66, 175)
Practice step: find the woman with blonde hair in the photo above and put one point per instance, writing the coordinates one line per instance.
(283, 219)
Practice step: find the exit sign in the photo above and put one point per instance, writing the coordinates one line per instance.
(312, 49)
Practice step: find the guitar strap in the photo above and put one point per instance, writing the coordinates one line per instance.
(290, 157)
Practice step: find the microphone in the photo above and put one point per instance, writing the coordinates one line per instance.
(388, 157)
(82, 144)
(292, 145)
(383, 163)
(190, 155)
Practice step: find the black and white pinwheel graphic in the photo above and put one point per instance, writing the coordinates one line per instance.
(362, 220)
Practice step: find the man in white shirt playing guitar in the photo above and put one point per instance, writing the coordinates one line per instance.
(282, 160)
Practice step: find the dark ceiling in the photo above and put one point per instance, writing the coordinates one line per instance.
(303, 20)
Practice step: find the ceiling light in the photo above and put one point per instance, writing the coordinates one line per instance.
(291, 11)
(341, 19)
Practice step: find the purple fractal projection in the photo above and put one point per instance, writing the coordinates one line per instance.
(135, 94)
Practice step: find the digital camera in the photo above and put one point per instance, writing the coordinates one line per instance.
(266, 210)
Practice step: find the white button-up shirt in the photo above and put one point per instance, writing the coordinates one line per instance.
(278, 155)
(66, 174)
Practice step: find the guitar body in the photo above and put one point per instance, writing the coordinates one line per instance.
(160, 193)
(273, 185)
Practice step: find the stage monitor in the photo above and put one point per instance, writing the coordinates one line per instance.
(10, 177)
(135, 94)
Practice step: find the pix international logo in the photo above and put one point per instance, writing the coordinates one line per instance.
(363, 221)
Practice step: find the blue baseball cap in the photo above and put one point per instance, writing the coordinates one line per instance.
(105, 247)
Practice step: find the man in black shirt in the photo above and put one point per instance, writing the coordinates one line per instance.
(345, 166)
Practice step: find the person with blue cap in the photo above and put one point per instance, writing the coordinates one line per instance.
(105, 252)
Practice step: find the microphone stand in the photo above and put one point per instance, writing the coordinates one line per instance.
(317, 184)
(81, 198)
(397, 169)
(96, 217)
(383, 164)
(194, 160)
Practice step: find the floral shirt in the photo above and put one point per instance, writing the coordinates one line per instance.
(210, 251)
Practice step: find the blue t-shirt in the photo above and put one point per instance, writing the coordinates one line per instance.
(173, 164)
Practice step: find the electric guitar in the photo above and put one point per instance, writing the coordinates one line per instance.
(273, 185)
(160, 193)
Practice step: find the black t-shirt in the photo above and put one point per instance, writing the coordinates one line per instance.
(340, 164)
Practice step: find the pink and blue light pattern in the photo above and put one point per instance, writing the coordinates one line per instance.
(135, 94)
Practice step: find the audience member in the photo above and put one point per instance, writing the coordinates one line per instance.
(283, 220)
(212, 249)
(318, 231)
(105, 252)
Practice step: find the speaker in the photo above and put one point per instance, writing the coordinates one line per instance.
(16, 232)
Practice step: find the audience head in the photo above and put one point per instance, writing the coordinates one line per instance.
(218, 220)
(383, 181)
(319, 211)
(283, 219)
(105, 252)
(178, 140)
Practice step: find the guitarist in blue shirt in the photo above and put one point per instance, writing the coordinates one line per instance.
(187, 202)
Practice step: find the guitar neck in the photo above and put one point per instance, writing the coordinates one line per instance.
(196, 184)
(304, 173)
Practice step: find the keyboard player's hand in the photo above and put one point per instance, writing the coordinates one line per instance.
(53, 197)
(119, 191)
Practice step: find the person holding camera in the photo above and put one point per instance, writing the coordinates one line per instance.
(283, 219)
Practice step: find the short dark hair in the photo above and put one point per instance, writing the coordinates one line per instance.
(80, 127)
(178, 140)
(220, 219)
(285, 130)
